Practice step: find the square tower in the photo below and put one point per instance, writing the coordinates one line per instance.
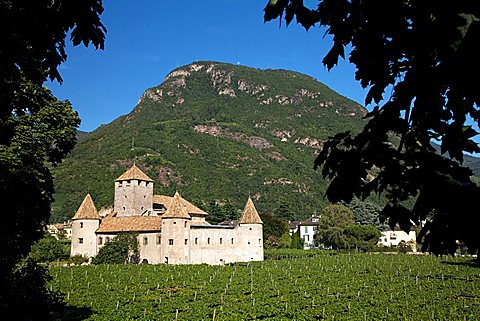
(133, 193)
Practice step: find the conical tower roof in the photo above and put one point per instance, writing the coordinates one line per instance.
(250, 214)
(87, 210)
(134, 173)
(177, 208)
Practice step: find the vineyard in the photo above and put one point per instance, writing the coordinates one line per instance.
(319, 287)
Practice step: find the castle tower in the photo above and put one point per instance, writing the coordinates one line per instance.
(176, 232)
(133, 193)
(85, 222)
(251, 232)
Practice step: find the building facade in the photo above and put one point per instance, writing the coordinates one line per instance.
(393, 238)
(307, 230)
(170, 230)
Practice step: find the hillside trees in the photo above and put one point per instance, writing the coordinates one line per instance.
(424, 53)
(36, 130)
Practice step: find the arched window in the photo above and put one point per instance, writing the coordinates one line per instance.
(100, 240)
(159, 239)
(196, 240)
(221, 240)
(232, 240)
(145, 241)
(81, 224)
(208, 241)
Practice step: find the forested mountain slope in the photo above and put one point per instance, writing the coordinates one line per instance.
(215, 132)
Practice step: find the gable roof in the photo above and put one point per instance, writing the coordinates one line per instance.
(134, 173)
(113, 224)
(167, 201)
(87, 210)
(250, 214)
(177, 208)
(311, 221)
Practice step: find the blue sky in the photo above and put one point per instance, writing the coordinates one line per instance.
(146, 39)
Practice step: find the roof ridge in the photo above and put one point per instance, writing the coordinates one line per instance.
(134, 173)
(87, 210)
(177, 208)
(250, 214)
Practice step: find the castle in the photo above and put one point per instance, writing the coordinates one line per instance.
(170, 230)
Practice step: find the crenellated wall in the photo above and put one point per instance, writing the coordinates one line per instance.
(133, 197)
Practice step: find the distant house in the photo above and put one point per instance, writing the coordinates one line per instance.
(60, 230)
(293, 227)
(392, 238)
(307, 230)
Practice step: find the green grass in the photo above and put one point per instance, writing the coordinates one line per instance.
(324, 286)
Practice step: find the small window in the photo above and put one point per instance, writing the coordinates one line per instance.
(248, 242)
(250, 229)
(159, 239)
(141, 208)
(185, 224)
(107, 239)
(196, 240)
(80, 240)
(124, 208)
(125, 196)
(186, 241)
(259, 241)
(145, 241)
(232, 240)
(81, 224)
(100, 240)
(306, 229)
(221, 240)
(170, 241)
(174, 222)
(208, 241)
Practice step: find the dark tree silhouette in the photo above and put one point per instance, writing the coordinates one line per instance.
(426, 51)
(36, 130)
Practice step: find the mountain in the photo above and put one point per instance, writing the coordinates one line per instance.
(469, 161)
(215, 132)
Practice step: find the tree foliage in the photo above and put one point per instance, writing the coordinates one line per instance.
(122, 249)
(425, 51)
(336, 215)
(366, 213)
(36, 130)
(49, 249)
(275, 231)
(333, 221)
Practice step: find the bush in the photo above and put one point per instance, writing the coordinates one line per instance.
(50, 249)
(121, 250)
(78, 259)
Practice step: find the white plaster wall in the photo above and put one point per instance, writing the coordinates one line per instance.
(307, 233)
(152, 250)
(393, 238)
(251, 242)
(177, 230)
(219, 250)
(88, 247)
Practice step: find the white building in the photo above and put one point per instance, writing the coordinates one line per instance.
(307, 230)
(170, 229)
(393, 238)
